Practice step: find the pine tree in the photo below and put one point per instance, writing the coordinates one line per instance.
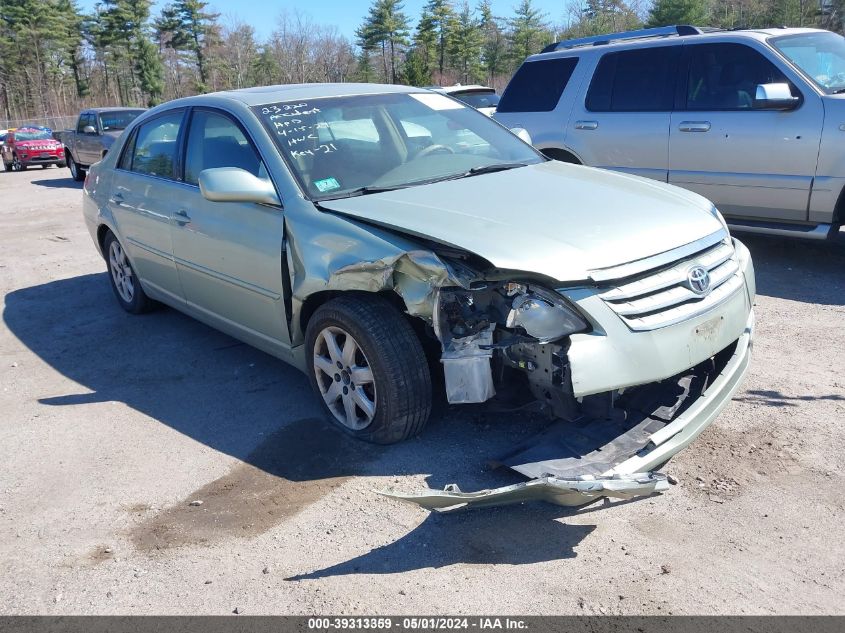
(528, 31)
(189, 27)
(440, 17)
(465, 44)
(494, 48)
(670, 12)
(386, 27)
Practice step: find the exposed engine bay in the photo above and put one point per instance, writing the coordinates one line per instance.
(501, 337)
(495, 329)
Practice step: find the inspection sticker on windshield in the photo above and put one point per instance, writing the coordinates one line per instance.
(436, 101)
(326, 184)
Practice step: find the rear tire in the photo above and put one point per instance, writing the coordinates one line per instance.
(76, 171)
(124, 282)
(367, 366)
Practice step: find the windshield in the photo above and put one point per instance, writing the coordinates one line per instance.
(341, 145)
(30, 134)
(478, 99)
(118, 120)
(820, 55)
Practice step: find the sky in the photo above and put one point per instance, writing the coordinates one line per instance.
(346, 15)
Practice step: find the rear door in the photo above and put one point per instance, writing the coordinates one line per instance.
(751, 163)
(623, 123)
(143, 202)
(229, 254)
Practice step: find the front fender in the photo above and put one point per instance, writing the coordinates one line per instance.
(327, 252)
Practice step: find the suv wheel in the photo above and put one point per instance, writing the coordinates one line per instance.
(124, 282)
(17, 165)
(369, 369)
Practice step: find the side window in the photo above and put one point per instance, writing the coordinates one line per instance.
(155, 148)
(84, 120)
(126, 158)
(725, 77)
(634, 81)
(537, 86)
(214, 140)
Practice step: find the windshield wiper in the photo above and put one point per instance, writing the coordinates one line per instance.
(475, 171)
(363, 191)
(838, 91)
(489, 169)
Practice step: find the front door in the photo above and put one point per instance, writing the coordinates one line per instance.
(229, 254)
(87, 143)
(751, 163)
(623, 124)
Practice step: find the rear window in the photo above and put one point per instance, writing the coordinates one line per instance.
(634, 81)
(118, 120)
(537, 86)
(478, 99)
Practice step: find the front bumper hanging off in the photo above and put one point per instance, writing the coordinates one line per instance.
(562, 492)
(620, 463)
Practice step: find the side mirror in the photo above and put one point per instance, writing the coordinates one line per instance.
(89, 129)
(522, 133)
(232, 184)
(774, 97)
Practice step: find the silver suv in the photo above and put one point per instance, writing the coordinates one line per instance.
(751, 119)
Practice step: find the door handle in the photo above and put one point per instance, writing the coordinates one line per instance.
(181, 217)
(586, 125)
(117, 198)
(694, 126)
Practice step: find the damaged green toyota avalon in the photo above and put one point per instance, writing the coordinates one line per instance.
(383, 237)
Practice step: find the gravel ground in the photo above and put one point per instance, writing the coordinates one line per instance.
(113, 425)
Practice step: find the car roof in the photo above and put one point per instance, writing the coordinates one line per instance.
(296, 92)
(112, 109)
(703, 36)
(467, 88)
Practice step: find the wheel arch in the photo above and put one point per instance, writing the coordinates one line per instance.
(839, 209)
(562, 155)
(313, 302)
(102, 231)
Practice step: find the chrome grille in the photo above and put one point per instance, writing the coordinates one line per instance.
(661, 297)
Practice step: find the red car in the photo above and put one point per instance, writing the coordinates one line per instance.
(27, 146)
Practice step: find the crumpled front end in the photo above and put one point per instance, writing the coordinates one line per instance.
(653, 367)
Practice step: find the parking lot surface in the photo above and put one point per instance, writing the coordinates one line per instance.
(114, 426)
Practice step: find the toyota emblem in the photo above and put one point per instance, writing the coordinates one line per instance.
(698, 280)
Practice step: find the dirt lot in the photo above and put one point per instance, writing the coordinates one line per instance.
(112, 424)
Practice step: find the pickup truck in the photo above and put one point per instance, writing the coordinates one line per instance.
(95, 132)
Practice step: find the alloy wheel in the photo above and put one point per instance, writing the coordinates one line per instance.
(121, 272)
(345, 378)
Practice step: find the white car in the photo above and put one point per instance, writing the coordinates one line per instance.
(481, 98)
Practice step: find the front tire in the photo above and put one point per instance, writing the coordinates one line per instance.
(75, 170)
(130, 295)
(17, 165)
(367, 366)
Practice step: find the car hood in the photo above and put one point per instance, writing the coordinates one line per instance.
(554, 219)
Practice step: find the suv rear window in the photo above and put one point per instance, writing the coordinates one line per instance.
(537, 86)
(634, 81)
